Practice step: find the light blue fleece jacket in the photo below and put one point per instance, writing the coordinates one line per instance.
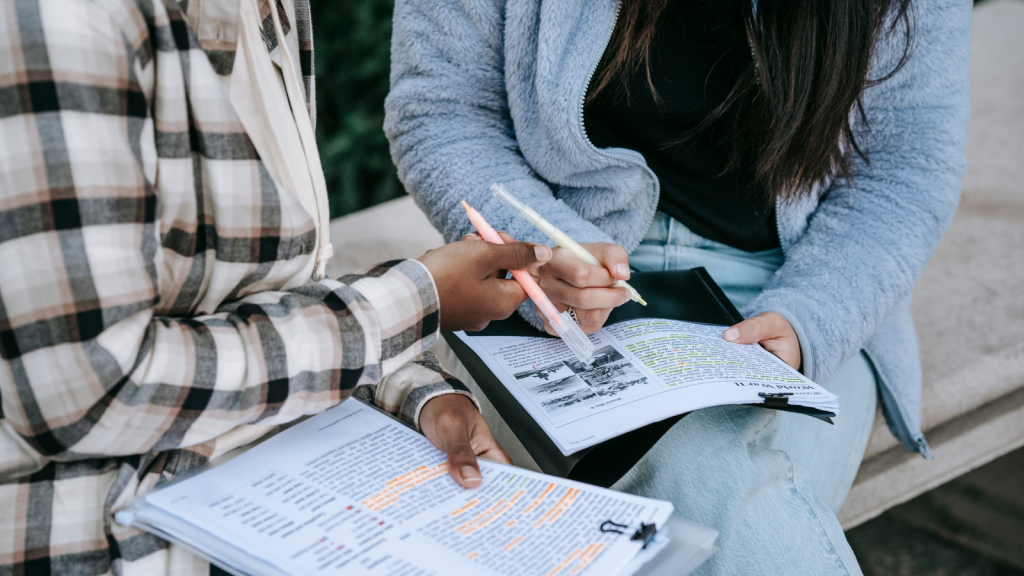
(486, 91)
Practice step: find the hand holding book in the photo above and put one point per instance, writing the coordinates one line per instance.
(633, 414)
(644, 370)
(772, 331)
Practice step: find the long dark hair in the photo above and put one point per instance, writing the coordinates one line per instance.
(789, 112)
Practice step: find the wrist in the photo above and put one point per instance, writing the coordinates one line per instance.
(443, 407)
(430, 293)
(454, 400)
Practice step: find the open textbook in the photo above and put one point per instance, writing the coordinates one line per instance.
(644, 371)
(353, 491)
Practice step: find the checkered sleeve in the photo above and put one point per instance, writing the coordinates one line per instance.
(406, 391)
(89, 368)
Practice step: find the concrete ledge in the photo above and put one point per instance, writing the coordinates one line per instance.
(394, 229)
(897, 476)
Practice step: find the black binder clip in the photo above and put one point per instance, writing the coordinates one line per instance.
(775, 399)
(645, 532)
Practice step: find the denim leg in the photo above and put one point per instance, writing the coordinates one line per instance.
(716, 467)
(740, 469)
(668, 245)
(832, 454)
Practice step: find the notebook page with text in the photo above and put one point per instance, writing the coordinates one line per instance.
(354, 492)
(643, 371)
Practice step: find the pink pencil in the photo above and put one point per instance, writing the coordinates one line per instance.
(563, 324)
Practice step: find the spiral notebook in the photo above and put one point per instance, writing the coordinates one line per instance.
(652, 365)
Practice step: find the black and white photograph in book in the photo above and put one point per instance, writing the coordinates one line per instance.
(611, 379)
(546, 373)
(558, 388)
(608, 375)
(559, 399)
(602, 356)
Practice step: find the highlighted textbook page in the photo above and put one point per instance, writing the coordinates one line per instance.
(354, 492)
(643, 371)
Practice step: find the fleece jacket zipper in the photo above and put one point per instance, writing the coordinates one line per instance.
(605, 153)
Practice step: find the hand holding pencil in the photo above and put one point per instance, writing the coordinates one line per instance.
(471, 284)
(559, 322)
(589, 277)
(524, 211)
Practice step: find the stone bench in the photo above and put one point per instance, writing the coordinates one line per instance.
(968, 307)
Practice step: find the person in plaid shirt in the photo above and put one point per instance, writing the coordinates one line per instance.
(156, 302)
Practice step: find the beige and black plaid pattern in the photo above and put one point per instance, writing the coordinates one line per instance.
(147, 319)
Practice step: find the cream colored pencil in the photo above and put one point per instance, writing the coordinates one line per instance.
(557, 236)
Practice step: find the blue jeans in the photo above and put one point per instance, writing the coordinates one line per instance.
(770, 482)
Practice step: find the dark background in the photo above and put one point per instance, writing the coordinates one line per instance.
(352, 41)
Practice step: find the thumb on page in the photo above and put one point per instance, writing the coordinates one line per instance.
(771, 330)
(453, 424)
(462, 464)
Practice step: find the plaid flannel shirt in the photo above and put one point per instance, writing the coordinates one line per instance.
(144, 254)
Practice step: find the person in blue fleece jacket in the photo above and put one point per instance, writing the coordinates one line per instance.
(808, 154)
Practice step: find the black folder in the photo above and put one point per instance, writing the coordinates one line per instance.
(688, 295)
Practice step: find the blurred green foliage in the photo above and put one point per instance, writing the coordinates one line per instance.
(352, 40)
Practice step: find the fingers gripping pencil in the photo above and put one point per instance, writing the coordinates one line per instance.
(564, 325)
(524, 211)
